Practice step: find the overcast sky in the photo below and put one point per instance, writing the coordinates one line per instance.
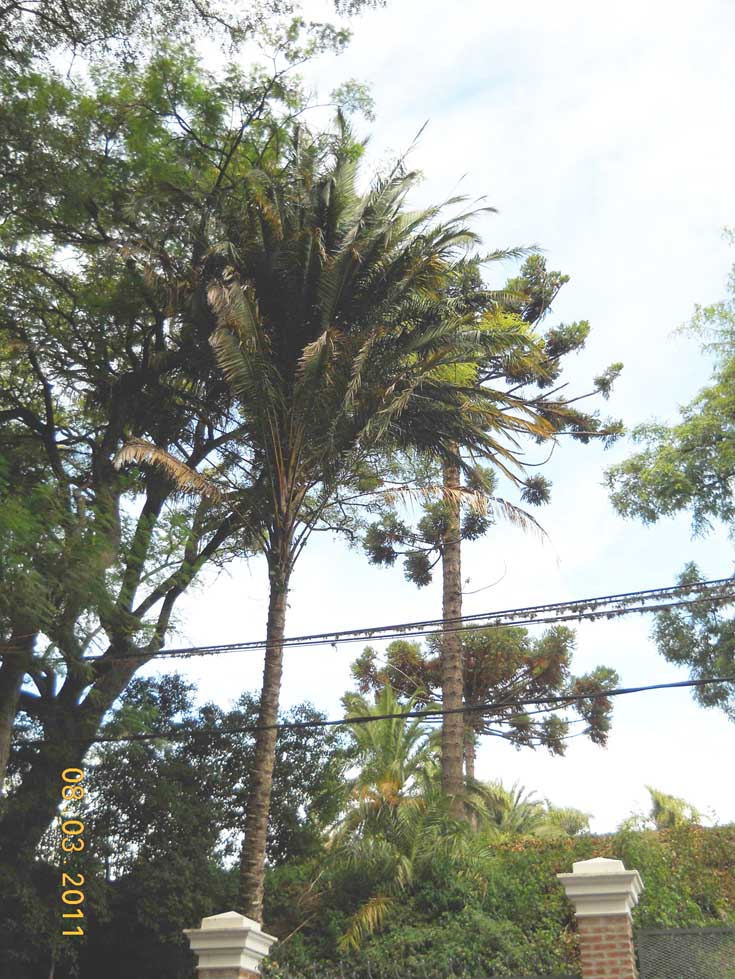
(605, 135)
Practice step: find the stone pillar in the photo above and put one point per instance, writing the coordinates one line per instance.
(229, 946)
(604, 893)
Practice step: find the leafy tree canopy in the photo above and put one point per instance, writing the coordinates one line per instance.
(126, 27)
(165, 820)
(501, 665)
(689, 467)
(104, 337)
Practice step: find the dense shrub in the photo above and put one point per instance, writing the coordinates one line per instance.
(511, 919)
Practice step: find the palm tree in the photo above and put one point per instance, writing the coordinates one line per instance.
(670, 811)
(397, 756)
(399, 820)
(333, 332)
(512, 810)
(516, 811)
(564, 821)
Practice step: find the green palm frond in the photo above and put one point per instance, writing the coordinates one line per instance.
(366, 921)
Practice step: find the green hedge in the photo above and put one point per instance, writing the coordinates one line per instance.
(512, 919)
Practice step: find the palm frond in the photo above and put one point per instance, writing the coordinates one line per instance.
(366, 921)
(186, 479)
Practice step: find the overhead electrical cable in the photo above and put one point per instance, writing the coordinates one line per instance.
(719, 591)
(563, 700)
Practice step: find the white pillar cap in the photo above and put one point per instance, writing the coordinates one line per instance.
(229, 941)
(602, 887)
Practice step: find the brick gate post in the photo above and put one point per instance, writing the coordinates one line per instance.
(229, 946)
(604, 893)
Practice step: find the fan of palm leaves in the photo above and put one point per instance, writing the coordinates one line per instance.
(399, 821)
(331, 324)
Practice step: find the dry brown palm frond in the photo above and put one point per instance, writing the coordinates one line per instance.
(515, 515)
(186, 479)
(476, 500)
(427, 494)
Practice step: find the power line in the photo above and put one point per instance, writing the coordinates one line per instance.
(720, 590)
(529, 614)
(406, 633)
(562, 699)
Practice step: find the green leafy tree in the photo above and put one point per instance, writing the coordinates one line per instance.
(689, 467)
(100, 344)
(466, 512)
(137, 785)
(163, 821)
(502, 665)
(97, 27)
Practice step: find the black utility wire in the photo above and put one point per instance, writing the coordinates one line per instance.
(530, 613)
(562, 699)
(721, 590)
(491, 623)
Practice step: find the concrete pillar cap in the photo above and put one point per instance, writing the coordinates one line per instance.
(602, 887)
(598, 865)
(229, 941)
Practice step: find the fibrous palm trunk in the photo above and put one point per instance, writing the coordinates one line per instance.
(252, 860)
(451, 658)
(469, 755)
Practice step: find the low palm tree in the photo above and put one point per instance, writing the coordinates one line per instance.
(399, 821)
(513, 810)
(670, 811)
(396, 756)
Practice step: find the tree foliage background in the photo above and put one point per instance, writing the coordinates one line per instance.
(689, 467)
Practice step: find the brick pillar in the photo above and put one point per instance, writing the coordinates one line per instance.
(604, 893)
(229, 946)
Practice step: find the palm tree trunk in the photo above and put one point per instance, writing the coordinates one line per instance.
(470, 748)
(469, 755)
(451, 658)
(252, 860)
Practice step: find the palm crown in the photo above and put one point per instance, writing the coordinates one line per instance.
(333, 332)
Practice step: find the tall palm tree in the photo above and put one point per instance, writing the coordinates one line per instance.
(333, 332)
